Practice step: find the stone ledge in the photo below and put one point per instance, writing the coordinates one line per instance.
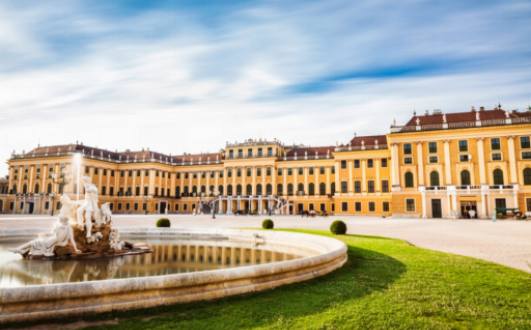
(321, 255)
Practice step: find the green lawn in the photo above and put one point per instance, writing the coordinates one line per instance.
(386, 283)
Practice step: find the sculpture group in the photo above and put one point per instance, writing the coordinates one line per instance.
(82, 229)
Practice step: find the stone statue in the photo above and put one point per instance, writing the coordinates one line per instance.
(82, 230)
(89, 207)
(61, 235)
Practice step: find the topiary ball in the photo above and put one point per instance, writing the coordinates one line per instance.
(163, 222)
(268, 224)
(338, 227)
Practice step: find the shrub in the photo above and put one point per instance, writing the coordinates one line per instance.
(338, 227)
(163, 222)
(268, 224)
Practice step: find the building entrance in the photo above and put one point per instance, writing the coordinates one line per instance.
(436, 209)
(469, 210)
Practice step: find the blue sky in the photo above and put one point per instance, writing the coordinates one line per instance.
(186, 76)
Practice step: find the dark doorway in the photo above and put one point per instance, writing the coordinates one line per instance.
(436, 210)
(30, 207)
(469, 210)
(162, 207)
(300, 208)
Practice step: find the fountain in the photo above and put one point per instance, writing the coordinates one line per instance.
(83, 230)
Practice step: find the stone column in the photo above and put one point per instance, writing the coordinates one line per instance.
(363, 175)
(481, 162)
(395, 167)
(512, 161)
(208, 192)
(350, 185)
(306, 180)
(284, 182)
(336, 177)
(422, 190)
(225, 171)
(378, 183)
(447, 164)
(151, 189)
(420, 164)
(234, 173)
(327, 172)
(253, 176)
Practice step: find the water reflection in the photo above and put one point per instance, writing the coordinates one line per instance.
(165, 258)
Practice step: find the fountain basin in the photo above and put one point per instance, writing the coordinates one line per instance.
(317, 256)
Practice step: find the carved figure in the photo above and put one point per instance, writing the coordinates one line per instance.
(89, 206)
(61, 235)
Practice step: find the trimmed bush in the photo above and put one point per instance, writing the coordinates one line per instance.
(163, 222)
(268, 224)
(338, 227)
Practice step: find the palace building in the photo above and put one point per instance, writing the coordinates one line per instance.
(437, 165)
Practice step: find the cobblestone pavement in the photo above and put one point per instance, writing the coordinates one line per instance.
(504, 242)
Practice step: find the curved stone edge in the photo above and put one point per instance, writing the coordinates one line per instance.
(74, 299)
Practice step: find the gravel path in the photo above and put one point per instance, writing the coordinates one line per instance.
(504, 242)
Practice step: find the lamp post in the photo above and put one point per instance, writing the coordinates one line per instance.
(77, 162)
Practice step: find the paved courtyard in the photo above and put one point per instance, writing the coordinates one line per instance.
(504, 242)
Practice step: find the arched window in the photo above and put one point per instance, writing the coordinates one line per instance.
(311, 189)
(465, 178)
(249, 190)
(194, 190)
(229, 190)
(14, 189)
(279, 189)
(300, 189)
(211, 190)
(527, 176)
(269, 189)
(434, 179)
(290, 189)
(25, 189)
(322, 189)
(36, 190)
(259, 189)
(408, 179)
(203, 189)
(239, 190)
(185, 191)
(220, 189)
(177, 191)
(497, 177)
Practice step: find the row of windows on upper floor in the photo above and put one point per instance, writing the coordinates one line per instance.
(370, 163)
(260, 153)
(465, 178)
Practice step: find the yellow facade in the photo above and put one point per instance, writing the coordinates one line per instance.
(456, 165)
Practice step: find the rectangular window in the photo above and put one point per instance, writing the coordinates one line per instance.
(370, 186)
(240, 153)
(258, 172)
(333, 169)
(249, 152)
(370, 163)
(238, 173)
(356, 163)
(433, 159)
(496, 156)
(357, 187)
(384, 162)
(524, 142)
(268, 171)
(321, 170)
(279, 172)
(495, 143)
(111, 191)
(270, 151)
(371, 207)
(344, 206)
(410, 205)
(408, 160)
(231, 154)
(526, 155)
(343, 187)
(145, 190)
(144, 206)
(310, 171)
(500, 204)
(385, 206)
(528, 203)
(343, 164)
(357, 206)
(301, 171)
(290, 171)
(463, 158)
(385, 186)
(407, 148)
(463, 145)
(432, 147)
(260, 153)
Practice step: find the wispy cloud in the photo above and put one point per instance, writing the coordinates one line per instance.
(186, 76)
